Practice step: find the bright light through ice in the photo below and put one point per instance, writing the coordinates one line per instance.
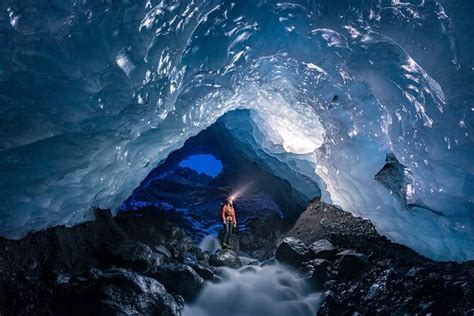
(297, 129)
(297, 143)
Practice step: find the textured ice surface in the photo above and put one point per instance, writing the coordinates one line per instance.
(94, 94)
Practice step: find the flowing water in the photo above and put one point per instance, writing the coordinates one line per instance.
(256, 291)
(210, 243)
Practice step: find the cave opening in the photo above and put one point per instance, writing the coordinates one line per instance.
(203, 163)
(193, 182)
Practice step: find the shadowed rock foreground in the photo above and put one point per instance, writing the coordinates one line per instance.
(146, 262)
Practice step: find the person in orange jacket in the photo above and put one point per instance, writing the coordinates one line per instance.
(228, 219)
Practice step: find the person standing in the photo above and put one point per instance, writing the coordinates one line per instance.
(228, 219)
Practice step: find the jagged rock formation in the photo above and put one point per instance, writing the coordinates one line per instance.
(370, 274)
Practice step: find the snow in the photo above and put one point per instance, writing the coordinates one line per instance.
(94, 96)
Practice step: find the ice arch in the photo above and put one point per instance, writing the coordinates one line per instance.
(94, 94)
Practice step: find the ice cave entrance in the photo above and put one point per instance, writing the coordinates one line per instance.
(203, 163)
(194, 180)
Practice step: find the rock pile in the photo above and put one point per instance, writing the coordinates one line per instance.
(361, 272)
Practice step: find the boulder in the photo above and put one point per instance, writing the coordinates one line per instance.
(225, 258)
(259, 254)
(179, 279)
(292, 251)
(207, 273)
(134, 255)
(116, 292)
(323, 249)
(162, 249)
(180, 246)
(319, 272)
(248, 242)
(350, 264)
(200, 254)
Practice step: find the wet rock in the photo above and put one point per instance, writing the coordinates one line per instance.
(318, 274)
(162, 249)
(292, 251)
(134, 255)
(416, 272)
(179, 279)
(117, 292)
(259, 254)
(31, 264)
(190, 258)
(205, 258)
(269, 261)
(207, 273)
(176, 233)
(247, 242)
(323, 249)
(379, 286)
(180, 246)
(63, 278)
(225, 258)
(351, 264)
(200, 254)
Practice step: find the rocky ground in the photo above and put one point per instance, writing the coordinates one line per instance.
(143, 263)
(364, 273)
(146, 262)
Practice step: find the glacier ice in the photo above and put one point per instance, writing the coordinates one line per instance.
(95, 94)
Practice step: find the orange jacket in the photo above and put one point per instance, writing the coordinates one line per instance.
(228, 211)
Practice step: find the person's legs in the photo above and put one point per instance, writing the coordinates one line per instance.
(227, 227)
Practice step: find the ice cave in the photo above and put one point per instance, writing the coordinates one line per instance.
(341, 125)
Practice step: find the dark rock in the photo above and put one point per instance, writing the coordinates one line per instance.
(416, 272)
(207, 273)
(176, 233)
(329, 284)
(292, 251)
(395, 177)
(269, 261)
(179, 279)
(234, 242)
(247, 242)
(162, 249)
(190, 258)
(180, 246)
(62, 278)
(259, 254)
(323, 249)
(225, 258)
(205, 259)
(200, 255)
(319, 272)
(379, 286)
(134, 255)
(351, 264)
(31, 264)
(117, 292)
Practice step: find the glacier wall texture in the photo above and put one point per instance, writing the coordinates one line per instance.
(95, 93)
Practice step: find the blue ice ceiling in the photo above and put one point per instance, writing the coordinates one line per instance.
(95, 94)
(203, 163)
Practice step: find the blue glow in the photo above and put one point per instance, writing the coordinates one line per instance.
(207, 164)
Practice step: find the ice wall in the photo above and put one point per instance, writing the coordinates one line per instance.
(95, 93)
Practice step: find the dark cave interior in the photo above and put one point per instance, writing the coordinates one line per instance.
(176, 187)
